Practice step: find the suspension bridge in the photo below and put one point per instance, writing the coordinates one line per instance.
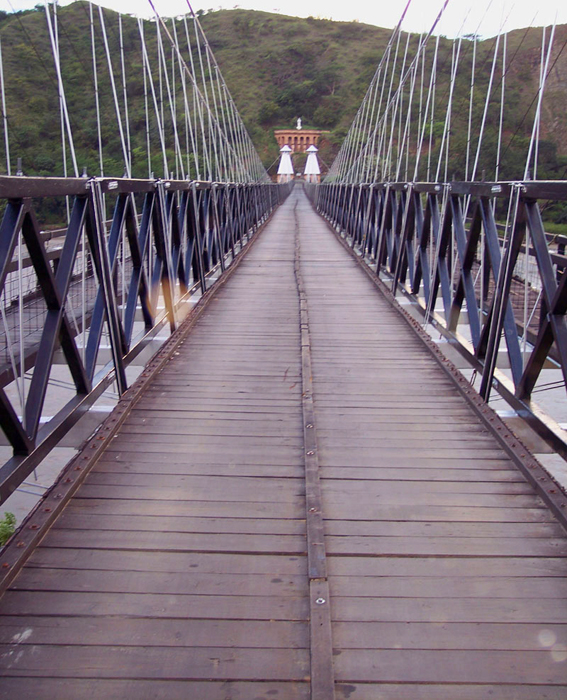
(309, 490)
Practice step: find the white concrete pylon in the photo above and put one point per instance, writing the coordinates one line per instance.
(285, 169)
(312, 170)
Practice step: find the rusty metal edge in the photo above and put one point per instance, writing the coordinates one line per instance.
(545, 486)
(38, 522)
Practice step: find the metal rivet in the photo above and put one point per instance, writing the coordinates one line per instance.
(320, 601)
(312, 510)
(309, 425)
(311, 452)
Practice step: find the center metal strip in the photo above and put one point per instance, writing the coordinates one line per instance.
(321, 643)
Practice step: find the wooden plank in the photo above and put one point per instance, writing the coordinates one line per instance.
(48, 688)
(179, 541)
(452, 586)
(420, 512)
(77, 520)
(240, 495)
(409, 431)
(431, 498)
(196, 482)
(424, 474)
(321, 643)
(450, 666)
(256, 453)
(386, 388)
(125, 464)
(212, 663)
(456, 635)
(223, 371)
(447, 546)
(155, 606)
(462, 566)
(409, 457)
(448, 530)
(194, 458)
(353, 488)
(190, 582)
(446, 450)
(216, 426)
(180, 440)
(167, 401)
(424, 462)
(369, 418)
(510, 610)
(202, 509)
(229, 382)
(172, 562)
(95, 631)
(265, 412)
(447, 691)
(284, 394)
(322, 669)
(427, 442)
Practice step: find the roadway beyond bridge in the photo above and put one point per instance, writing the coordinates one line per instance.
(304, 503)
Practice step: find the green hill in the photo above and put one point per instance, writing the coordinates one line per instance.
(278, 68)
(320, 70)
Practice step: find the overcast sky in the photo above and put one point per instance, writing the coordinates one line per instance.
(485, 17)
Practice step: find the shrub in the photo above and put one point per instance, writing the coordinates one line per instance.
(7, 527)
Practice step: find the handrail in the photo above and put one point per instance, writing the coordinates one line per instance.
(185, 237)
(439, 245)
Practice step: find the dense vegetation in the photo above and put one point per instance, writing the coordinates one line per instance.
(7, 527)
(278, 68)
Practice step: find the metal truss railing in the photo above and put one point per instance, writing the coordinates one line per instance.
(476, 261)
(133, 253)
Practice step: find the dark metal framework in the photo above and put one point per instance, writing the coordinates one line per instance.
(429, 240)
(185, 236)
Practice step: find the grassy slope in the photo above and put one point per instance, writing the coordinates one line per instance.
(278, 68)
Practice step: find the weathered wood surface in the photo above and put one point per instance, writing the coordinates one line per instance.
(438, 590)
(179, 569)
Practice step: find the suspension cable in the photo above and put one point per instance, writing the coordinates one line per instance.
(61, 88)
(4, 113)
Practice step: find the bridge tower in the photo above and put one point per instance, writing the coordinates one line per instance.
(312, 170)
(285, 169)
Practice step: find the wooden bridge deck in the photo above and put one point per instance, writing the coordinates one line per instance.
(179, 569)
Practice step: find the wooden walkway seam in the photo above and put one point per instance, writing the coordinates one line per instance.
(321, 643)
